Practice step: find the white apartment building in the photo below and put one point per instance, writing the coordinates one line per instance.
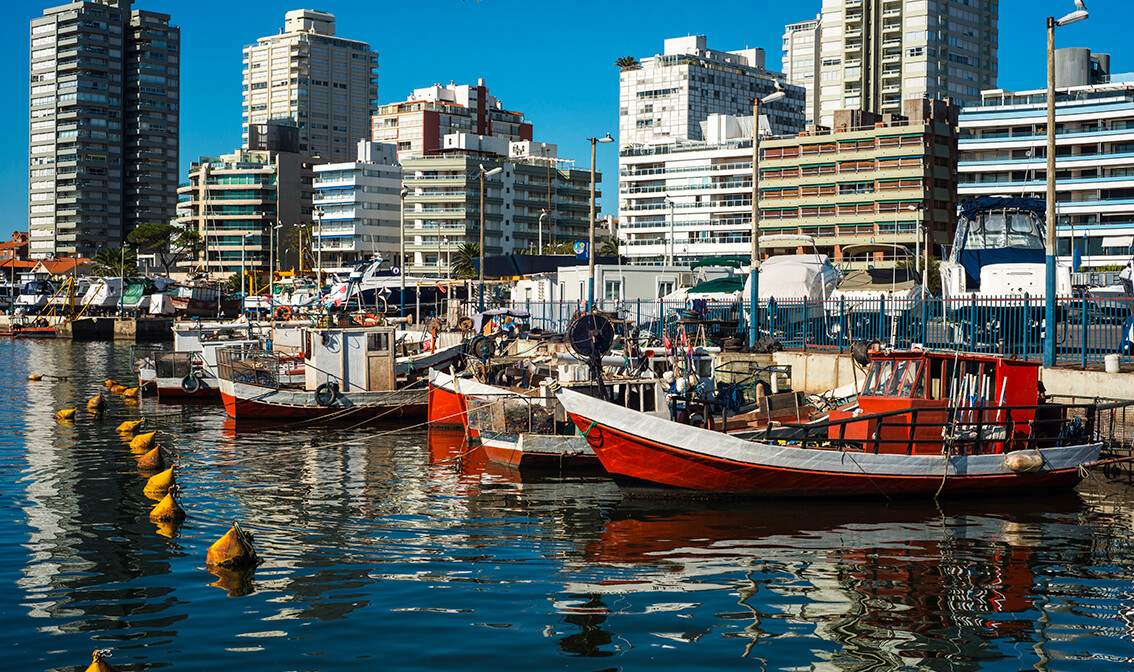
(325, 85)
(1003, 151)
(801, 62)
(667, 96)
(356, 207)
(876, 53)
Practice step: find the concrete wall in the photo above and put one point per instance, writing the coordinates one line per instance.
(815, 373)
(1088, 384)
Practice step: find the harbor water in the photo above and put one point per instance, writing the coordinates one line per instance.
(406, 550)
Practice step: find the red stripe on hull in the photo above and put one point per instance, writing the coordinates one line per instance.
(646, 463)
(242, 409)
(446, 408)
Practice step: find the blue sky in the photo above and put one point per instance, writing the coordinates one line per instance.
(552, 61)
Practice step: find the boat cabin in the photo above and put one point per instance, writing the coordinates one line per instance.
(358, 360)
(931, 385)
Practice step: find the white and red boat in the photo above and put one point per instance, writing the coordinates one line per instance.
(350, 374)
(927, 424)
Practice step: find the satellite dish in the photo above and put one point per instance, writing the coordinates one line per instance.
(590, 336)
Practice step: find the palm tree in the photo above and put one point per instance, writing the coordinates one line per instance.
(114, 262)
(628, 63)
(465, 261)
(609, 248)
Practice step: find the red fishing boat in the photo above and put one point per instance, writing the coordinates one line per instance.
(927, 424)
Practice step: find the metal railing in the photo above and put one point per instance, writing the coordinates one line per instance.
(1087, 328)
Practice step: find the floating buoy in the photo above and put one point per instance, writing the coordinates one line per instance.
(96, 403)
(131, 425)
(152, 461)
(130, 393)
(159, 483)
(1021, 462)
(233, 550)
(169, 509)
(142, 442)
(35, 376)
(98, 664)
(110, 383)
(117, 389)
(65, 414)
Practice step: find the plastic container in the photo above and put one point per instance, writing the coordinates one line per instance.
(1111, 363)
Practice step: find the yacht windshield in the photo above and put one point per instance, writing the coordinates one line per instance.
(1000, 230)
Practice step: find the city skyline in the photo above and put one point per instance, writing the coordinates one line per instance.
(568, 94)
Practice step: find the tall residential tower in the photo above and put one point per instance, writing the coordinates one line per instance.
(103, 139)
(324, 85)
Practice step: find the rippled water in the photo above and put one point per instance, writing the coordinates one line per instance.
(404, 550)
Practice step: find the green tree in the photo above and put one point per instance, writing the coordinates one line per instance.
(627, 63)
(608, 249)
(465, 261)
(168, 243)
(115, 262)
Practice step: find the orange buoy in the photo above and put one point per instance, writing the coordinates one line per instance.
(65, 414)
(169, 509)
(97, 403)
(234, 549)
(130, 393)
(131, 425)
(110, 383)
(35, 376)
(160, 483)
(117, 389)
(142, 442)
(152, 461)
(98, 664)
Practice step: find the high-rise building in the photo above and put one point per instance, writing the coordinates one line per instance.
(1003, 151)
(356, 207)
(326, 86)
(666, 97)
(874, 178)
(801, 62)
(875, 54)
(443, 205)
(103, 139)
(418, 125)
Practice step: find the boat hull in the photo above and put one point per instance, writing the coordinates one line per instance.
(540, 451)
(648, 455)
(243, 401)
(446, 407)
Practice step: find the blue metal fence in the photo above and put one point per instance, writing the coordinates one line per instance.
(1087, 328)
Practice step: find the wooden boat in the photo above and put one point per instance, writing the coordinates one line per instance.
(927, 424)
(350, 374)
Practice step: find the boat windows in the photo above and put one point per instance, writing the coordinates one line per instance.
(1000, 230)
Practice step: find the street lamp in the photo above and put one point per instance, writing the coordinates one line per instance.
(669, 201)
(448, 259)
(542, 216)
(272, 239)
(1049, 242)
(483, 174)
(318, 212)
(591, 244)
(753, 276)
(402, 247)
(243, 273)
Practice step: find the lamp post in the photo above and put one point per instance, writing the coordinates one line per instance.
(483, 174)
(243, 273)
(448, 260)
(402, 248)
(539, 245)
(318, 212)
(753, 276)
(672, 241)
(273, 237)
(1052, 222)
(591, 243)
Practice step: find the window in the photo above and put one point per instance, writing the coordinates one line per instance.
(665, 287)
(612, 289)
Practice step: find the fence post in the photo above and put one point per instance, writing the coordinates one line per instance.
(1027, 327)
(843, 337)
(973, 324)
(885, 338)
(1083, 330)
(925, 320)
(638, 322)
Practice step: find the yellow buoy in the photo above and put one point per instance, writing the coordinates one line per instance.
(159, 483)
(65, 414)
(130, 393)
(234, 549)
(131, 425)
(152, 461)
(100, 665)
(96, 403)
(142, 442)
(110, 383)
(35, 376)
(169, 509)
(117, 389)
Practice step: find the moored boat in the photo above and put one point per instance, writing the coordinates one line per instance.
(927, 425)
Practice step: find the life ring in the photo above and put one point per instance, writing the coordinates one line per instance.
(283, 313)
(325, 394)
(191, 384)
